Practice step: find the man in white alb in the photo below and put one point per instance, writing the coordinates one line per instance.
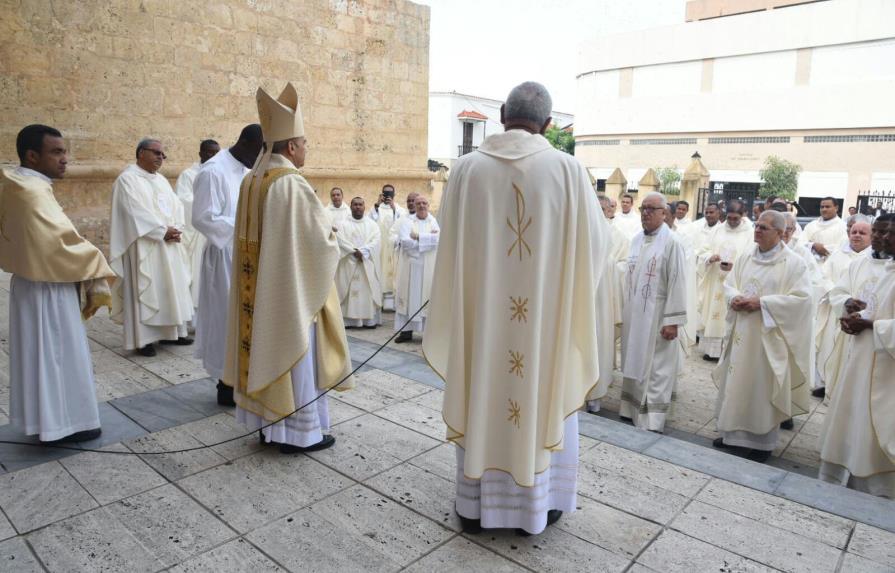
(216, 195)
(386, 213)
(337, 209)
(193, 241)
(356, 278)
(628, 221)
(58, 279)
(152, 299)
(418, 238)
(827, 232)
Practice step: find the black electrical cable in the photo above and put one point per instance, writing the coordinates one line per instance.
(186, 450)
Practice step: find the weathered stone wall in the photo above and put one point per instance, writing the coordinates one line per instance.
(108, 72)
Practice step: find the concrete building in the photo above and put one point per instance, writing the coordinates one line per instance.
(458, 123)
(811, 82)
(116, 71)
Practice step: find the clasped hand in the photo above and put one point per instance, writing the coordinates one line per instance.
(745, 303)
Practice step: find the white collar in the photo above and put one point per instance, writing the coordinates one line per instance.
(28, 172)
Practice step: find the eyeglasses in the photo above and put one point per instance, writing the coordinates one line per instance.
(651, 210)
(763, 227)
(158, 153)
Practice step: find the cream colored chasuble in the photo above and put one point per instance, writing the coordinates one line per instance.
(512, 316)
(728, 244)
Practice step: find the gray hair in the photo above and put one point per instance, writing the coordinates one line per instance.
(144, 143)
(857, 218)
(655, 195)
(789, 217)
(603, 199)
(529, 101)
(778, 220)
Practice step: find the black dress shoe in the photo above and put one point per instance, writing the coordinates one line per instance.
(819, 392)
(760, 456)
(405, 336)
(719, 443)
(708, 358)
(469, 526)
(787, 424)
(148, 351)
(182, 341)
(225, 395)
(327, 442)
(83, 436)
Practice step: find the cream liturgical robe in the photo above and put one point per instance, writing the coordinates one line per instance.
(51, 383)
(285, 337)
(830, 233)
(416, 266)
(610, 302)
(216, 194)
(728, 243)
(857, 444)
(153, 298)
(512, 324)
(386, 217)
(655, 292)
(358, 282)
(338, 214)
(830, 340)
(629, 224)
(193, 241)
(766, 368)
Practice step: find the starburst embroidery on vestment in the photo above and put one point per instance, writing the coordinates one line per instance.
(516, 363)
(515, 413)
(521, 225)
(519, 308)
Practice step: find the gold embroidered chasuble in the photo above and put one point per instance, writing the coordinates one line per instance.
(512, 313)
(38, 242)
(285, 258)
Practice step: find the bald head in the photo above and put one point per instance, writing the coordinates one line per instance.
(528, 107)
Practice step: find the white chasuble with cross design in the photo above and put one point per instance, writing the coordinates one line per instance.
(512, 317)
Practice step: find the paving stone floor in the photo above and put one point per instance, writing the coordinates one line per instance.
(382, 498)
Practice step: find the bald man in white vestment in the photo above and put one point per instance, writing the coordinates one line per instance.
(216, 195)
(512, 319)
(417, 238)
(357, 278)
(764, 373)
(193, 241)
(830, 340)
(152, 300)
(655, 312)
(857, 443)
(58, 281)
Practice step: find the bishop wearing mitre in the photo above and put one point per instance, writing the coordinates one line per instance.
(58, 278)
(714, 262)
(357, 278)
(418, 240)
(768, 361)
(153, 298)
(512, 319)
(286, 343)
(857, 443)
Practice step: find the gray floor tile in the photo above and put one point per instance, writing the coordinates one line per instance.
(419, 371)
(221, 427)
(175, 466)
(778, 512)
(156, 410)
(433, 400)
(377, 389)
(92, 542)
(441, 461)
(237, 556)
(42, 494)
(611, 529)
(16, 557)
(16, 457)
(270, 485)
(424, 492)
(552, 550)
(110, 477)
(647, 469)
(348, 532)
(755, 540)
(116, 428)
(717, 464)
(856, 564)
(368, 445)
(674, 552)
(874, 544)
(6, 530)
(416, 417)
(459, 555)
(839, 500)
(170, 524)
(201, 395)
(615, 433)
(340, 411)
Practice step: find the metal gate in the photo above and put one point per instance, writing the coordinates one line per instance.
(870, 201)
(726, 191)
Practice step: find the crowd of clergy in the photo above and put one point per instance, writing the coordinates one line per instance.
(521, 319)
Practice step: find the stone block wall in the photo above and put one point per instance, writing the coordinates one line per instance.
(109, 72)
